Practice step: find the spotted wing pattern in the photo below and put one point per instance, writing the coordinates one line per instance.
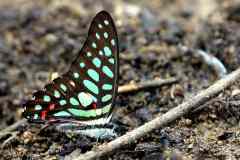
(87, 91)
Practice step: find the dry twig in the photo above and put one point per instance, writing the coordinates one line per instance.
(12, 127)
(5, 98)
(160, 121)
(132, 87)
(13, 136)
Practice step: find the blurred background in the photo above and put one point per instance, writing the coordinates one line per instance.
(38, 38)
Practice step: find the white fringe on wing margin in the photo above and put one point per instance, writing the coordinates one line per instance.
(100, 121)
(94, 132)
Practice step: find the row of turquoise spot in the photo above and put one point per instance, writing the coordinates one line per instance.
(79, 112)
(92, 73)
(97, 62)
(82, 98)
(95, 75)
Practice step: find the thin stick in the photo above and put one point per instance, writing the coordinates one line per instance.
(12, 127)
(132, 87)
(13, 136)
(173, 114)
(5, 98)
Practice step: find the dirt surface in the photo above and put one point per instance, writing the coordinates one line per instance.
(38, 38)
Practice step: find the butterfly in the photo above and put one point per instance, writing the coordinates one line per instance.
(82, 99)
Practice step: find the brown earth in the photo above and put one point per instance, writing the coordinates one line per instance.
(38, 38)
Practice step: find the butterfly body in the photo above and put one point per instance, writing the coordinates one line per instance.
(84, 96)
(100, 131)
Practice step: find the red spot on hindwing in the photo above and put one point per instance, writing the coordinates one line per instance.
(94, 105)
(43, 115)
(51, 106)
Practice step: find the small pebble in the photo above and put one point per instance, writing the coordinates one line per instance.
(143, 114)
(220, 142)
(190, 146)
(27, 136)
(188, 122)
(51, 38)
(177, 90)
(4, 87)
(235, 92)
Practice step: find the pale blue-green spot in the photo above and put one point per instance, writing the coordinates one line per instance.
(107, 51)
(82, 65)
(106, 108)
(94, 45)
(105, 35)
(98, 36)
(63, 87)
(38, 107)
(46, 98)
(56, 94)
(106, 98)
(106, 22)
(97, 62)
(113, 42)
(111, 60)
(90, 113)
(94, 98)
(100, 26)
(62, 114)
(82, 113)
(107, 87)
(35, 116)
(74, 101)
(107, 71)
(85, 99)
(76, 75)
(91, 86)
(89, 54)
(101, 52)
(62, 102)
(93, 74)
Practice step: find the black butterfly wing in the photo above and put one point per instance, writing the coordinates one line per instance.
(88, 90)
